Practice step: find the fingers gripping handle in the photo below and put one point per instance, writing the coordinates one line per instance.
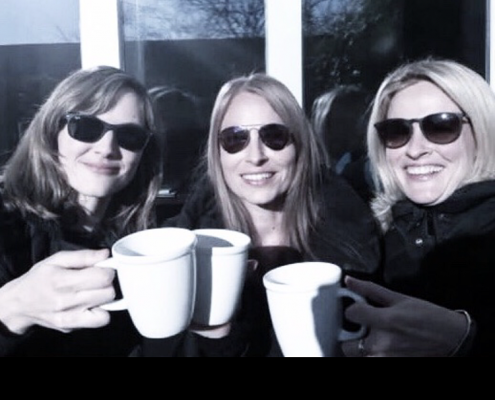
(346, 336)
(118, 305)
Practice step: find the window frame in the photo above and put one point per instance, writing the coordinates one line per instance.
(102, 39)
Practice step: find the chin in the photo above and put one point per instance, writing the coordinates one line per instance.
(424, 199)
(98, 193)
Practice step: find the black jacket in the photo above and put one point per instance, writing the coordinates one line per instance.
(346, 235)
(446, 255)
(23, 243)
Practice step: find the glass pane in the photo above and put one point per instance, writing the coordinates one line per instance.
(350, 45)
(39, 46)
(184, 50)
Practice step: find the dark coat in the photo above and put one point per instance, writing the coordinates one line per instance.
(346, 235)
(446, 255)
(23, 243)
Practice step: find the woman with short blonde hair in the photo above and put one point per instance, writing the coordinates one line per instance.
(467, 89)
(432, 149)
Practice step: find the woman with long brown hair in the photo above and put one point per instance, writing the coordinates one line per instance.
(86, 172)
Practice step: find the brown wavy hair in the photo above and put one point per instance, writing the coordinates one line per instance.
(33, 180)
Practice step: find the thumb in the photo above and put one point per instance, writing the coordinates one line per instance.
(374, 293)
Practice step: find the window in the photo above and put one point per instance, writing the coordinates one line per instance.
(184, 50)
(39, 46)
(350, 45)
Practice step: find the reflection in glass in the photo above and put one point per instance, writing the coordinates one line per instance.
(184, 50)
(350, 45)
(39, 46)
(350, 42)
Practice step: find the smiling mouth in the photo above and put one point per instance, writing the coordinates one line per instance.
(424, 170)
(103, 169)
(258, 179)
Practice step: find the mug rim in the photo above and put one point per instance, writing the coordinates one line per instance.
(242, 241)
(273, 284)
(168, 254)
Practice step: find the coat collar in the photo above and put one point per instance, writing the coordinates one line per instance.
(464, 199)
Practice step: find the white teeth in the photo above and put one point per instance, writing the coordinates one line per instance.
(257, 177)
(424, 170)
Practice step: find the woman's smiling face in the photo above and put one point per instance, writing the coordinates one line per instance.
(258, 175)
(101, 169)
(429, 173)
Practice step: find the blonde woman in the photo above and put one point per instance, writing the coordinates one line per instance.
(86, 172)
(266, 178)
(432, 144)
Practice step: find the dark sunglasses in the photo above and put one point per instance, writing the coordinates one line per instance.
(441, 128)
(89, 129)
(236, 138)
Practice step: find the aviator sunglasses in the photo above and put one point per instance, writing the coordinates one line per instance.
(89, 129)
(237, 138)
(441, 128)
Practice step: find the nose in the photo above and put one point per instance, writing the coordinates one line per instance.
(256, 149)
(418, 145)
(108, 145)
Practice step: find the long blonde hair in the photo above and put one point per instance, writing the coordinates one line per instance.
(467, 89)
(33, 180)
(302, 201)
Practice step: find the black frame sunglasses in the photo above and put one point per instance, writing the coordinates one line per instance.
(236, 138)
(440, 128)
(89, 129)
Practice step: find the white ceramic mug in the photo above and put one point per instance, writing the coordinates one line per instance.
(221, 257)
(305, 302)
(157, 274)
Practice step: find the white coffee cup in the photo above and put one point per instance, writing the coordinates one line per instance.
(306, 309)
(157, 273)
(221, 257)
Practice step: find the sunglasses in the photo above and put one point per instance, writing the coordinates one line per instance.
(237, 138)
(89, 129)
(441, 128)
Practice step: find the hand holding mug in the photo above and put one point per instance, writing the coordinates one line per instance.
(62, 293)
(305, 302)
(157, 274)
(402, 326)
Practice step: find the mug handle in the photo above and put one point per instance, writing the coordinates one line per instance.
(346, 336)
(117, 305)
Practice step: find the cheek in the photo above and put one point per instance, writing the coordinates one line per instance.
(228, 164)
(469, 150)
(288, 160)
(392, 159)
(131, 162)
(70, 150)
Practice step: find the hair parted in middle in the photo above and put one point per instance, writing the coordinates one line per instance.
(301, 202)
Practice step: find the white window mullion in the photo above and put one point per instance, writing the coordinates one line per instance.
(491, 42)
(284, 43)
(100, 33)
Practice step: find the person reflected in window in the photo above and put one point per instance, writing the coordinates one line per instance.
(266, 178)
(86, 172)
(179, 125)
(339, 118)
(431, 145)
